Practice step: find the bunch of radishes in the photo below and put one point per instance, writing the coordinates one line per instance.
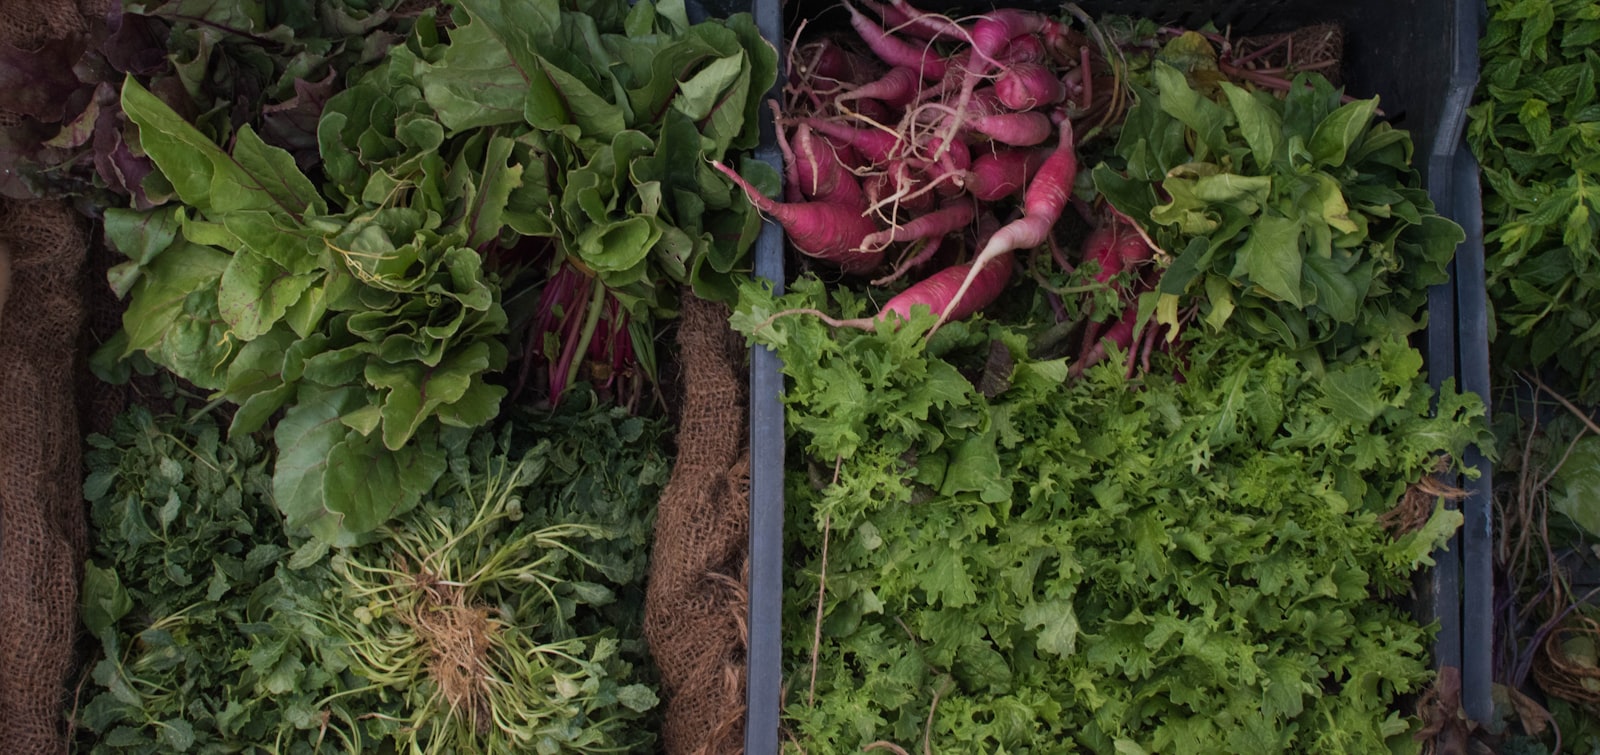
(910, 144)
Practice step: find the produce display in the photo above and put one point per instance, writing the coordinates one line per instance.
(1105, 431)
(1107, 425)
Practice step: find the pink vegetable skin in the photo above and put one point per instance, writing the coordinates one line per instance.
(995, 30)
(999, 173)
(896, 88)
(1026, 86)
(1114, 247)
(824, 230)
(947, 219)
(1027, 48)
(875, 145)
(1119, 334)
(921, 24)
(1046, 197)
(982, 286)
(896, 51)
(819, 175)
(1016, 129)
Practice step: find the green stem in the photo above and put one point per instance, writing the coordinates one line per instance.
(596, 304)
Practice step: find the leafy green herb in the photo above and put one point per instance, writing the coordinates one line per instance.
(1296, 219)
(1536, 133)
(1101, 564)
(219, 633)
(182, 594)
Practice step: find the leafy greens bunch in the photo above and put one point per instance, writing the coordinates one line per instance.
(221, 64)
(1011, 561)
(363, 299)
(220, 633)
(184, 594)
(491, 611)
(1295, 218)
(1536, 133)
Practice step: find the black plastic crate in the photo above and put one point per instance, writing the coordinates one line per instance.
(1420, 58)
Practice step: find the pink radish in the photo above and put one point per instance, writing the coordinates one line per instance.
(896, 51)
(827, 231)
(1046, 197)
(995, 29)
(872, 111)
(1027, 48)
(1120, 335)
(1015, 129)
(945, 220)
(934, 292)
(877, 146)
(900, 17)
(827, 61)
(818, 174)
(1026, 86)
(897, 88)
(985, 285)
(999, 173)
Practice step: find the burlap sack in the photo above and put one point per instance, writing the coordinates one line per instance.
(695, 607)
(42, 530)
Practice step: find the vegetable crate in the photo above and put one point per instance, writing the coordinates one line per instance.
(1420, 58)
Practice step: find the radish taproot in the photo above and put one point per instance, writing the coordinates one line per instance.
(824, 230)
(896, 51)
(1042, 204)
(934, 292)
(897, 88)
(818, 173)
(876, 146)
(945, 220)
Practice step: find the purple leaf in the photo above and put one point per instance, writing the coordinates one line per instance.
(38, 83)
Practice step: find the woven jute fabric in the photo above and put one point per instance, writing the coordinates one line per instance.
(696, 603)
(42, 528)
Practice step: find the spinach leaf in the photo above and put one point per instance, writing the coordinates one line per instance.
(1536, 133)
(1296, 219)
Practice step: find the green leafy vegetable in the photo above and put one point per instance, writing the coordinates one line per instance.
(364, 301)
(1536, 133)
(1115, 566)
(182, 595)
(1297, 219)
(489, 611)
(218, 632)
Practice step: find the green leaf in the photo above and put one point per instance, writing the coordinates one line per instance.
(139, 235)
(413, 392)
(274, 171)
(1259, 121)
(105, 601)
(1271, 258)
(1575, 487)
(1339, 131)
(255, 294)
(178, 734)
(475, 84)
(367, 484)
(173, 315)
(305, 437)
(1205, 118)
(1057, 624)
